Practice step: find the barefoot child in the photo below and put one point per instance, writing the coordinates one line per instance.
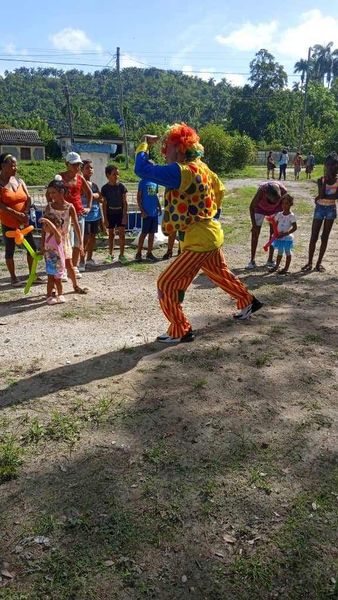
(325, 211)
(54, 257)
(57, 205)
(286, 222)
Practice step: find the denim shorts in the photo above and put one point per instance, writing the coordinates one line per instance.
(75, 242)
(325, 212)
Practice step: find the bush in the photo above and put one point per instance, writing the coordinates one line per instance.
(223, 151)
(39, 172)
(120, 158)
(242, 150)
(216, 147)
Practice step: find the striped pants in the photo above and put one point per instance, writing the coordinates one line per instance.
(175, 280)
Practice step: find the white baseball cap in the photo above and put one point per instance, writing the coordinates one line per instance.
(73, 158)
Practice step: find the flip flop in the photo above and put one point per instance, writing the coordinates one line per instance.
(79, 290)
(320, 269)
(307, 267)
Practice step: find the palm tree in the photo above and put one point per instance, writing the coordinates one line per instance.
(335, 64)
(301, 66)
(322, 61)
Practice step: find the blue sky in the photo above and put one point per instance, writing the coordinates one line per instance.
(209, 38)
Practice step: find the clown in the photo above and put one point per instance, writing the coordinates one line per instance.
(192, 199)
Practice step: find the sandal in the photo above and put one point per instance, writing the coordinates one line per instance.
(80, 290)
(307, 267)
(320, 269)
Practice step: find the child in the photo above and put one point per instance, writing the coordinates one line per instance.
(57, 205)
(150, 207)
(92, 218)
(325, 211)
(286, 222)
(298, 163)
(309, 165)
(115, 209)
(54, 257)
(270, 165)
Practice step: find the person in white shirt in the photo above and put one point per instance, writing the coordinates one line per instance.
(286, 224)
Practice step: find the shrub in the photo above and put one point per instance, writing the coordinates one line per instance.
(120, 158)
(242, 150)
(217, 146)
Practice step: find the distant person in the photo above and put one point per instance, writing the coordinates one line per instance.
(267, 201)
(325, 211)
(298, 163)
(92, 218)
(270, 165)
(15, 205)
(283, 163)
(286, 224)
(76, 186)
(309, 165)
(115, 210)
(149, 204)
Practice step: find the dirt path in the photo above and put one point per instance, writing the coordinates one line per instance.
(205, 470)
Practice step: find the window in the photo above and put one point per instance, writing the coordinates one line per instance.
(25, 153)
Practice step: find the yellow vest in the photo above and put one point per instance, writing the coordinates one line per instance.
(191, 208)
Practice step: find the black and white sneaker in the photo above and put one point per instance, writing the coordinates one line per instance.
(167, 339)
(151, 257)
(246, 312)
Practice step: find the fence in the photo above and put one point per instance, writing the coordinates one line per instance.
(38, 196)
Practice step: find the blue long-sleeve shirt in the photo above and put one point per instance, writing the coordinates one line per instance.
(167, 175)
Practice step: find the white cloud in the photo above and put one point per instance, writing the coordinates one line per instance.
(204, 74)
(314, 28)
(250, 36)
(12, 50)
(235, 79)
(129, 61)
(74, 40)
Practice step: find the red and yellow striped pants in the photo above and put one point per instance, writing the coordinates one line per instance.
(175, 280)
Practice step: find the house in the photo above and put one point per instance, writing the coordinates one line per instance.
(99, 151)
(24, 144)
(114, 145)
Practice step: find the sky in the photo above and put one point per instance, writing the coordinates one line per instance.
(207, 39)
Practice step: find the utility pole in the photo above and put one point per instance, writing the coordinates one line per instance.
(302, 123)
(69, 110)
(122, 120)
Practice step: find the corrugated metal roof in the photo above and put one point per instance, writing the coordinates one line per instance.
(20, 136)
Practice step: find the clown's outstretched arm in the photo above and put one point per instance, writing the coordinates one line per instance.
(167, 175)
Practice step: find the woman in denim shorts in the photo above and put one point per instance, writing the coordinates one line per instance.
(325, 211)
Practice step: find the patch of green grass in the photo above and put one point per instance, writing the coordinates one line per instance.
(36, 431)
(159, 454)
(63, 427)
(200, 384)
(10, 458)
(263, 360)
(69, 314)
(99, 412)
(135, 266)
(312, 338)
(258, 479)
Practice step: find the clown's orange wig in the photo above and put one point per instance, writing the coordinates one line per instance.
(184, 137)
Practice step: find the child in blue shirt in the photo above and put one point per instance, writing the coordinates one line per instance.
(149, 204)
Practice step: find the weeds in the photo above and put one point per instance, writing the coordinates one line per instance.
(10, 458)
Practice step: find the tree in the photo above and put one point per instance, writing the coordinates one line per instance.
(322, 63)
(108, 130)
(265, 73)
(301, 66)
(216, 147)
